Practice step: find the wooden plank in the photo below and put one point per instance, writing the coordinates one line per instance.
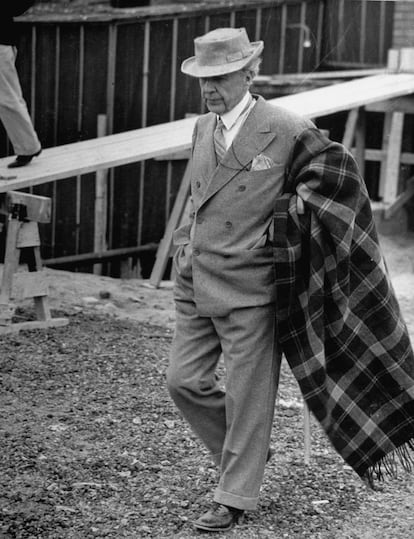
(398, 104)
(307, 432)
(38, 208)
(29, 284)
(350, 128)
(319, 75)
(390, 169)
(164, 248)
(6, 313)
(101, 201)
(347, 95)
(33, 324)
(371, 154)
(11, 260)
(28, 235)
(360, 141)
(97, 154)
(401, 200)
(149, 142)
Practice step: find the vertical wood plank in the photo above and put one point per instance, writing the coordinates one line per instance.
(164, 248)
(81, 74)
(381, 38)
(301, 36)
(258, 25)
(101, 201)
(33, 75)
(350, 128)
(110, 97)
(390, 166)
(319, 32)
(340, 36)
(363, 32)
(283, 39)
(360, 135)
(11, 259)
(307, 433)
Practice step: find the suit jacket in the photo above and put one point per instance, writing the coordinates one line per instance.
(224, 259)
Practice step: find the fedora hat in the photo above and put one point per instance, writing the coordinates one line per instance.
(221, 51)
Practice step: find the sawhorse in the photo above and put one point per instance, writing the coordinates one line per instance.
(23, 212)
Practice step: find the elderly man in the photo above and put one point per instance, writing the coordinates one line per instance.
(225, 290)
(281, 255)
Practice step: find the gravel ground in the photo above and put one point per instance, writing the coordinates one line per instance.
(92, 446)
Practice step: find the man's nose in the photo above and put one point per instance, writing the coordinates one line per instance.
(207, 85)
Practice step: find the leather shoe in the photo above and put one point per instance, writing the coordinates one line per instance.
(219, 518)
(23, 160)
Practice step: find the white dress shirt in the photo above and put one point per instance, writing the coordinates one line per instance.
(235, 118)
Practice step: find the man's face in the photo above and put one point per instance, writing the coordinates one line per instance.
(222, 93)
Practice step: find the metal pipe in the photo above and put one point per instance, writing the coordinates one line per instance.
(123, 252)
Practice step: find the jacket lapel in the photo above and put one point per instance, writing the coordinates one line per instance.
(253, 137)
(204, 156)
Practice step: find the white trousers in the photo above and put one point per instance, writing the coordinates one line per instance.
(13, 109)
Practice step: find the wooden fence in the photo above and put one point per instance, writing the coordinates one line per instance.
(357, 33)
(126, 66)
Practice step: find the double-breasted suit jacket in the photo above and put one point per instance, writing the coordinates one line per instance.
(224, 256)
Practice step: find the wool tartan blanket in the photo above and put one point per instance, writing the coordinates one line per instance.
(339, 322)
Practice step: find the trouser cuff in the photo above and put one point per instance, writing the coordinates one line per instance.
(234, 500)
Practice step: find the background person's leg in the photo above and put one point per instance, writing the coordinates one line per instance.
(13, 110)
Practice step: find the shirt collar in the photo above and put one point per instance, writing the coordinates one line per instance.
(230, 118)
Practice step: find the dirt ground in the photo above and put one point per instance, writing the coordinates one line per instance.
(94, 447)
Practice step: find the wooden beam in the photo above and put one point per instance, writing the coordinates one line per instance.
(101, 201)
(390, 167)
(360, 141)
(150, 142)
(164, 249)
(398, 104)
(401, 200)
(350, 128)
(122, 252)
(371, 154)
(37, 208)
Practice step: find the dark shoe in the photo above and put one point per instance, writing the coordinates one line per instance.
(23, 160)
(219, 518)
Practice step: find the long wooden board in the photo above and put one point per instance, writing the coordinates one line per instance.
(131, 146)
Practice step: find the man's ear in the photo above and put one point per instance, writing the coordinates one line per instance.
(248, 77)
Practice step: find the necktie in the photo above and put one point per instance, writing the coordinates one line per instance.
(219, 142)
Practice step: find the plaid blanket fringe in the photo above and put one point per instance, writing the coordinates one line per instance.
(388, 465)
(339, 322)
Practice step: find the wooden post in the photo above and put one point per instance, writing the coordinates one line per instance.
(407, 59)
(307, 432)
(101, 201)
(11, 262)
(391, 146)
(164, 249)
(360, 141)
(350, 128)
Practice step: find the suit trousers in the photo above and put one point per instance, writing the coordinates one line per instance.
(234, 424)
(13, 110)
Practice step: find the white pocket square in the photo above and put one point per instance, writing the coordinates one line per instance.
(262, 162)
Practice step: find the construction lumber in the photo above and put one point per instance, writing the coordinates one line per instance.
(151, 142)
(37, 208)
